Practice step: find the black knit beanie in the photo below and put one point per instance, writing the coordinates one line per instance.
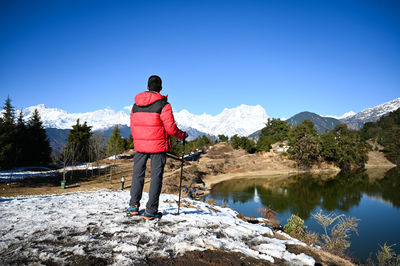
(154, 83)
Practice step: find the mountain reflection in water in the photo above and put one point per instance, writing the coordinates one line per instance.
(301, 194)
(374, 199)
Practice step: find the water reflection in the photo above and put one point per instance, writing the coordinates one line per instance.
(301, 194)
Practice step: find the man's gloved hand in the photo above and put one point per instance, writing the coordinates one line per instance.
(186, 135)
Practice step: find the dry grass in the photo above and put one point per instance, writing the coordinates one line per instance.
(211, 201)
(270, 214)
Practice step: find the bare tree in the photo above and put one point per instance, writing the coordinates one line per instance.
(97, 146)
(67, 156)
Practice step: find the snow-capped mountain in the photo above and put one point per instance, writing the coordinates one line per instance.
(344, 116)
(242, 120)
(371, 114)
(57, 118)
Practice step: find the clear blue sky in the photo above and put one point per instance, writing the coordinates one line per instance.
(327, 57)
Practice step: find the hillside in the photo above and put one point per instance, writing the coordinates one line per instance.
(321, 124)
(372, 114)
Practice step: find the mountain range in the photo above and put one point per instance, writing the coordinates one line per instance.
(371, 114)
(321, 124)
(351, 119)
(243, 120)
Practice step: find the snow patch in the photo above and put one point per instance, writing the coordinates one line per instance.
(19, 174)
(59, 227)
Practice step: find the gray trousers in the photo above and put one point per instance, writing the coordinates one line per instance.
(157, 170)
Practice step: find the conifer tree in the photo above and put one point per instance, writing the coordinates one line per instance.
(115, 144)
(78, 142)
(21, 141)
(304, 146)
(386, 131)
(39, 146)
(223, 138)
(344, 147)
(7, 136)
(130, 142)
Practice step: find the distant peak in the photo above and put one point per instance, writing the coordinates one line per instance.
(344, 116)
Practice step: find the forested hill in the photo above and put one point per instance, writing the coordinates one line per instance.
(387, 132)
(321, 124)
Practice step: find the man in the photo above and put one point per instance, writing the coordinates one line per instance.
(152, 124)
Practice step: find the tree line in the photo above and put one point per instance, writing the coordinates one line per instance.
(25, 143)
(22, 143)
(386, 131)
(342, 146)
(85, 146)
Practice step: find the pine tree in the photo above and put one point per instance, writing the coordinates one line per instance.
(304, 146)
(39, 146)
(115, 144)
(223, 138)
(78, 143)
(7, 137)
(275, 130)
(351, 152)
(130, 142)
(386, 131)
(21, 140)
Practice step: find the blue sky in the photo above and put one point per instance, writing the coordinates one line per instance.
(327, 57)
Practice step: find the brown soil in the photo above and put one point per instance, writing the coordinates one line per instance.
(376, 158)
(230, 163)
(209, 257)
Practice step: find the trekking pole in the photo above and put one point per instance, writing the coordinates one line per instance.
(180, 181)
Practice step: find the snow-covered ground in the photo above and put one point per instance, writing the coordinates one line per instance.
(20, 174)
(61, 228)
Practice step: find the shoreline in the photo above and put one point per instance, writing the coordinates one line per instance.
(211, 181)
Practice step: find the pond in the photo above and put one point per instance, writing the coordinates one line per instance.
(374, 199)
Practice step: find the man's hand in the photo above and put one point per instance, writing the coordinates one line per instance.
(186, 135)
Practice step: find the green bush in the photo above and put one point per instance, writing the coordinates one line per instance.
(244, 143)
(295, 227)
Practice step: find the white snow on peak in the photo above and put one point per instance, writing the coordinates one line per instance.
(374, 113)
(57, 118)
(344, 116)
(242, 120)
(64, 227)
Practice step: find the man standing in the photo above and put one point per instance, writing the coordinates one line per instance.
(152, 124)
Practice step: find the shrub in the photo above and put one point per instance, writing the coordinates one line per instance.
(211, 201)
(269, 214)
(337, 229)
(386, 255)
(295, 227)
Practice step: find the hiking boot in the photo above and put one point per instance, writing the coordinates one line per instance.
(150, 216)
(133, 210)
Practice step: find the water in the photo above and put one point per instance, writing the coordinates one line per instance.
(374, 199)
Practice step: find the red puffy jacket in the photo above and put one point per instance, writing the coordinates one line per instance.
(152, 123)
